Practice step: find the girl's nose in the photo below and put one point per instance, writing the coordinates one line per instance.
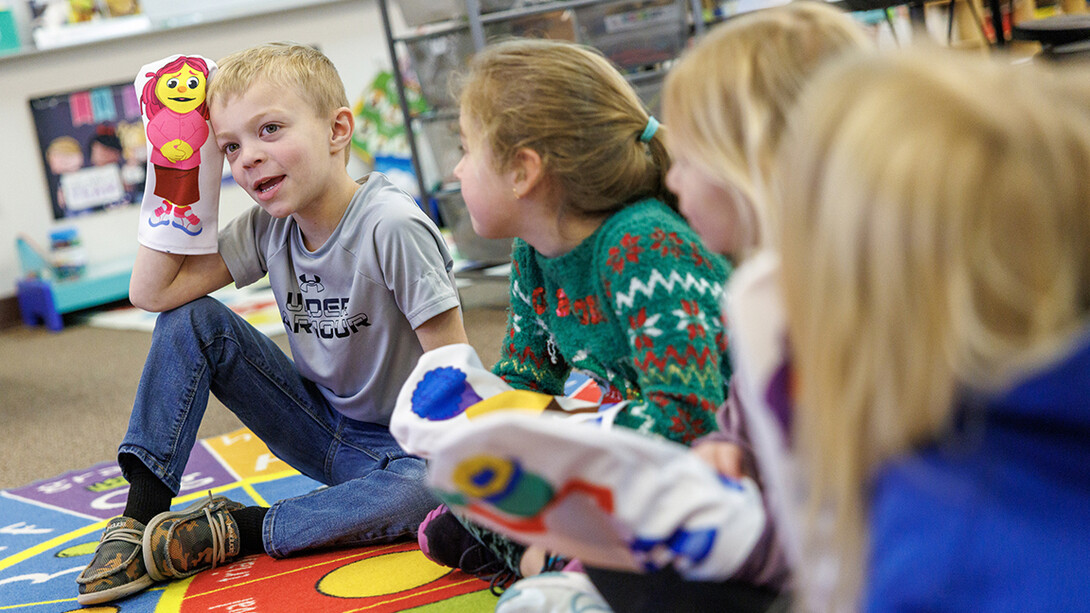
(182, 89)
(671, 178)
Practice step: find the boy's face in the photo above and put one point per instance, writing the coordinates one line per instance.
(61, 161)
(279, 150)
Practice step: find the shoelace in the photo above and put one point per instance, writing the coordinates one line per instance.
(501, 581)
(126, 535)
(554, 562)
(498, 579)
(217, 525)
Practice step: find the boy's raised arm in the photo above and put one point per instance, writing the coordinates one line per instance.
(163, 281)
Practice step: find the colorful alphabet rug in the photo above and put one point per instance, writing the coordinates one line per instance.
(49, 529)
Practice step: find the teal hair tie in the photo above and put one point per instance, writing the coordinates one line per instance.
(649, 131)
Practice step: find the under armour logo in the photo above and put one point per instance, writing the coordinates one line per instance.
(306, 283)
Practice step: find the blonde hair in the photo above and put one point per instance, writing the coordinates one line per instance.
(307, 71)
(726, 99)
(569, 104)
(63, 144)
(935, 225)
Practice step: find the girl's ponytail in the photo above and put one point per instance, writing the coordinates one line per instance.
(660, 157)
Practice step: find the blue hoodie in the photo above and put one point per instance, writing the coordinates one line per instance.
(996, 515)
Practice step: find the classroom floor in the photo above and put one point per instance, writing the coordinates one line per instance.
(67, 396)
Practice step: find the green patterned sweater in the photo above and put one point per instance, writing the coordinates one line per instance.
(636, 308)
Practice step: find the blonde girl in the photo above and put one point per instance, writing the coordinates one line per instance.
(726, 103)
(936, 272)
(607, 279)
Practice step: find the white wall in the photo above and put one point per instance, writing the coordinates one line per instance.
(349, 32)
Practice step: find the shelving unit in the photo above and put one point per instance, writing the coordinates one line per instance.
(158, 18)
(437, 38)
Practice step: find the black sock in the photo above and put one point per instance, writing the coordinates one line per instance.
(249, 520)
(148, 495)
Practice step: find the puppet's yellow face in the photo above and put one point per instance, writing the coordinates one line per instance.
(181, 91)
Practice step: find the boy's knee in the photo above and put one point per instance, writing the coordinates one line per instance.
(203, 309)
(198, 314)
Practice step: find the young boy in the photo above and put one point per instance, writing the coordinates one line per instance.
(362, 279)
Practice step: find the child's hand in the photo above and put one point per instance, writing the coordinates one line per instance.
(726, 458)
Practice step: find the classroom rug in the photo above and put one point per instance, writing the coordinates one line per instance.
(49, 529)
(255, 303)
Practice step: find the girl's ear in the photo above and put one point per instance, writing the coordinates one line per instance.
(528, 171)
(341, 129)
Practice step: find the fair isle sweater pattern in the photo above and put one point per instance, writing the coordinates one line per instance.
(635, 307)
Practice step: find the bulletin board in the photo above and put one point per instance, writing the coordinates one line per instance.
(93, 149)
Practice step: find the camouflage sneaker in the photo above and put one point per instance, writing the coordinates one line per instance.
(117, 570)
(178, 544)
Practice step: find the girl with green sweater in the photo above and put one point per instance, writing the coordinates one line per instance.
(607, 279)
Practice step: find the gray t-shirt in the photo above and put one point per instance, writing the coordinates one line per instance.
(350, 308)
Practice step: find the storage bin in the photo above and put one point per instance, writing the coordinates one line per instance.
(437, 58)
(421, 12)
(452, 208)
(440, 136)
(634, 36)
(66, 250)
(556, 25)
(9, 32)
(648, 86)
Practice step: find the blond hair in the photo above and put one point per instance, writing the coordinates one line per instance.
(569, 104)
(63, 144)
(307, 71)
(935, 224)
(726, 99)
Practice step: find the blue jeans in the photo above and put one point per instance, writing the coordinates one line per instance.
(376, 490)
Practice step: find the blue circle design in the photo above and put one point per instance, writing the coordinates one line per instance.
(442, 394)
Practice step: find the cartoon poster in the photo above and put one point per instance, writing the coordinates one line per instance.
(93, 148)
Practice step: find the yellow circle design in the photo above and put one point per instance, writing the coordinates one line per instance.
(83, 549)
(467, 474)
(381, 575)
